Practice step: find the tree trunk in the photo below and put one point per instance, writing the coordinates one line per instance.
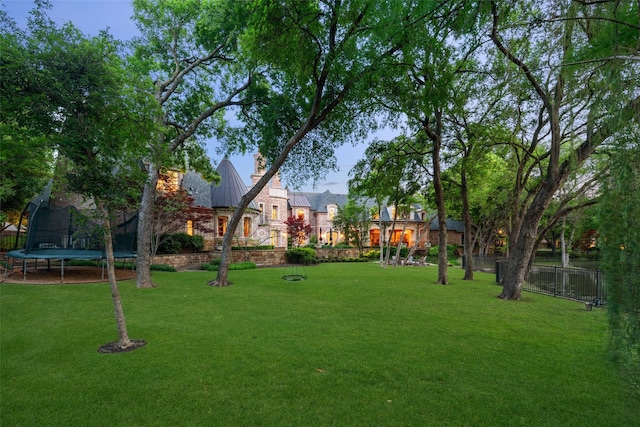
(393, 227)
(404, 229)
(466, 216)
(145, 229)
(227, 240)
(424, 233)
(563, 244)
(123, 337)
(443, 277)
(521, 253)
(382, 234)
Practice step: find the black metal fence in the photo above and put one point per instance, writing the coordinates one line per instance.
(580, 284)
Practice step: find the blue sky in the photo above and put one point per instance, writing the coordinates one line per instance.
(91, 16)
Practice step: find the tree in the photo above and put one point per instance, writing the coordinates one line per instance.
(96, 119)
(619, 226)
(385, 175)
(298, 230)
(354, 220)
(569, 100)
(316, 95)
(26, 156)
(422, 89)
(188, 49)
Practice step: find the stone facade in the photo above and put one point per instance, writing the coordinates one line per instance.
(262, 258)
(264, 221)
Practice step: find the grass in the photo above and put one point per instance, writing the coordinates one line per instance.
(352, 345)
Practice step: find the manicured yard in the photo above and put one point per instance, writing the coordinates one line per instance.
(352, 345)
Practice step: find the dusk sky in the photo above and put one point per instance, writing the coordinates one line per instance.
(91, 16)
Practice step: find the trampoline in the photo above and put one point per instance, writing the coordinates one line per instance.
(68, 232)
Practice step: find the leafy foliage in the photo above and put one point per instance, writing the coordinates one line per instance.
(180, 242)
(298, 229)
(620, 242)
(214, 265)
(301, 256)
(354, 220)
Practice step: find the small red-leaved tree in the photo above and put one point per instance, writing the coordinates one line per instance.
(298, 230)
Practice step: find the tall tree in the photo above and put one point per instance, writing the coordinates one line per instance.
(188, 53)
(422, 89)
(96, 117)
(341, 48)
(26, 155)
(589, 51)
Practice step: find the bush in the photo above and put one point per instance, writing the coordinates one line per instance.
(404, 251)
(169, 246)
(301, 256)
(214, 265)
(452, 252)
(163, 267)
(181, 242)
(373, 254)
(246, 265)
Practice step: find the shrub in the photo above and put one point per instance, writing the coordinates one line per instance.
(373, 254)
(253, 248)
(246, 265)
(343, 246)
(301, 256)
(181, 242)
(404, 251)
(214, 265)
(163, 267)
(452, 252)
(169, 246)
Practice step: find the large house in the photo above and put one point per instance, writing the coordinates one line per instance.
(264, 220)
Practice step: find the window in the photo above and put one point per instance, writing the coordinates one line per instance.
(246, 229)
(274, 212)
(332, 212)
(274, 237)
(190, 227)
(300, 213)
(222, 225)
(263, 219)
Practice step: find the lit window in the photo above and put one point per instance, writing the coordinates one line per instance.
(222, 225)
(332, 212)
(246, 229)
(274, 212)
(300, 213)
(190, 227)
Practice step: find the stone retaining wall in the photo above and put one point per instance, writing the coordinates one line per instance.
(262, 258)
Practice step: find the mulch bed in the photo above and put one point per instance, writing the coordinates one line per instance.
(72, 274)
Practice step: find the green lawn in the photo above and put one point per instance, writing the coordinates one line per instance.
(354, 345)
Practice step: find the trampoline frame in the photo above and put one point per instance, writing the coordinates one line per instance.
(59, 254)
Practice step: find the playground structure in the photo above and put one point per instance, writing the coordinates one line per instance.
(63, 229)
